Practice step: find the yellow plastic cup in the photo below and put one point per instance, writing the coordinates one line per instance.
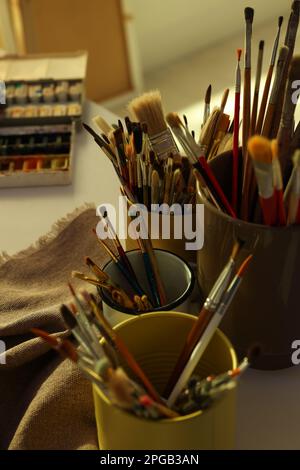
(155, 340)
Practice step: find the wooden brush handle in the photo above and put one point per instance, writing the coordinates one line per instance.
(264, 100)
(246, 108)
(266, 132)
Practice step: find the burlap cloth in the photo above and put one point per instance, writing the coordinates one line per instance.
(45, 403)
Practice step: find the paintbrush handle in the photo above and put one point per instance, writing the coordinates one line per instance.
(266, 132)
(246, 109)
(268, 206)
(154, 264)
(134, 284)
(126, 261)
(214, 182)
(235, 161)
(192, 339)
(280, 209)
(151, 279)
(264, 101)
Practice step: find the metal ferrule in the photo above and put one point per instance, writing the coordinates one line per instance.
(229, 295)
(220, 286)
(264, 179)
(163, 144)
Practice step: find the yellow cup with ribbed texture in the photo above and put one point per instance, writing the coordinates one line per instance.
(155, 340)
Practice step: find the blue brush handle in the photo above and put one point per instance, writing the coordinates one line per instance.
(134, 284)
(151, 279)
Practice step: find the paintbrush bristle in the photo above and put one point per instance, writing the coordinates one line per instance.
(242, 270)
(261, 45)
(174, 120)
(68, 317)
(78, 275)
(45, 336)
(138, 139)
(280, 21)
(260, 149)
(249, 14)
(148, 108)
(102, 124)
(118, 136)
(208, 95)
(239, 53)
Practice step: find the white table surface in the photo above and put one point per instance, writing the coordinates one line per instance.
(268, 413)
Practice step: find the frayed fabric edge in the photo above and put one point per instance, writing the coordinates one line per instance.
(55, 230)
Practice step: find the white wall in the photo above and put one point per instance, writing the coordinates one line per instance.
(169, 29)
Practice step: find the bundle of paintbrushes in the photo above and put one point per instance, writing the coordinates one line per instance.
(110, 365)
(145, 156)
(136, 300)
(258, 175)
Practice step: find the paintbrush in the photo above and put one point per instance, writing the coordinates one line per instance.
(72, 324)
(149, 273)
(208, 333)
(247, 168)
(208, 310)
(278, 82)
(292, 192)
(278, 185)
(207, 100)
(290, 41)
(267, 86)
(257, 86)
(286, 129)
(125, 353)
(133, 283)
(199, 162)
(119, 247)
(67, 350)
(236, 130)
(260, 150)
(84, 324)
(249, 14)
(102, 125)
(148, 108)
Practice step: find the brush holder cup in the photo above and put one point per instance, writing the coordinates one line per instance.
(177, 277)
(155, 340)
(179, 228)
(265, 309)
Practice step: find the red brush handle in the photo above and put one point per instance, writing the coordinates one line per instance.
(281, 213)
(268, 207)
(206, 168)
(235, 161)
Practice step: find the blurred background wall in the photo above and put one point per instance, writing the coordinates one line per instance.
(177, 46)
